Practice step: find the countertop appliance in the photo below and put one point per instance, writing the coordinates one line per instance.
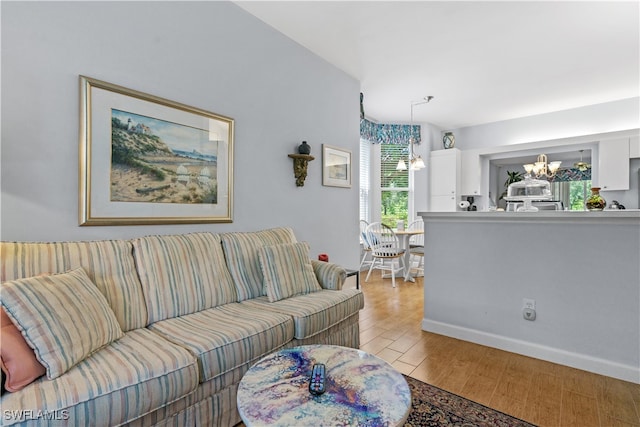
(528, 191)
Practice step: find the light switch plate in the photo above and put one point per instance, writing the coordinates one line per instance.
(529, 303)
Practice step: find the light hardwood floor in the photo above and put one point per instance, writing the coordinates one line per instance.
(540, 392)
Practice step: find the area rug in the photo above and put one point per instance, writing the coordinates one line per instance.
(434, 407)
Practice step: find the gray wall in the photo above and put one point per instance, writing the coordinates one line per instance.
(593, 119)
(210, 55)
(582, 272)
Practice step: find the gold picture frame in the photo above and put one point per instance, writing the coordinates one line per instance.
(147, 160)
(336, 166)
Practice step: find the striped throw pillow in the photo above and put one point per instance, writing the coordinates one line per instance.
(63, 317)
(287, 270)
(240, 252)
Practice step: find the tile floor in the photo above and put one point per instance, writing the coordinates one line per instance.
(540, 392)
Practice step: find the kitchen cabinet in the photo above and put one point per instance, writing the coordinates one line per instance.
(634, 147)
(443, 204)
(470, 173)
(613, 164)
(444, 180)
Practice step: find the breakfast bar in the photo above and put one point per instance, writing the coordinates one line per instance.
(579, 270)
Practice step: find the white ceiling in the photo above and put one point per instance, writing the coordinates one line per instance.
(482, 61)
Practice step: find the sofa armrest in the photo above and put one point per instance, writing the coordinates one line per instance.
(330, 276)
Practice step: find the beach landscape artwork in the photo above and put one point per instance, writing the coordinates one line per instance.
(157, 161)
(148, 160)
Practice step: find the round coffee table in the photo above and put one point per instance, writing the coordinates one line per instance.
(361, 389)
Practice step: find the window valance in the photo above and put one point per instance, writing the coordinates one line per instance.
(379, 133)
(571, 174)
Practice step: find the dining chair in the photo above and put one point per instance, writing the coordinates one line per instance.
(366, 247)
(386, 248)
(416, 245)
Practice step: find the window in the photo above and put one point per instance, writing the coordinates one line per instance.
(365, 180)
(572, 187)
(394, 184)
(385, 193)
(572, 194)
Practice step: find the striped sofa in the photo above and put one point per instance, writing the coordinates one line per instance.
(195, 316)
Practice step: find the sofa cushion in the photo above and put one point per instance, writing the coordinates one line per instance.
(108, 263)
(182, 274)
(315, 312)
(228, 336)
(17, 360)
(241, 253)
(135, 375)
(287, 270)
(63, 317)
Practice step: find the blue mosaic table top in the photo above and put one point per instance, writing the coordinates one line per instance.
(361, 390)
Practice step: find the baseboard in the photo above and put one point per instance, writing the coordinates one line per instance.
(550, 354)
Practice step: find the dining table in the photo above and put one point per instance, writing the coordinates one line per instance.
(404, 236)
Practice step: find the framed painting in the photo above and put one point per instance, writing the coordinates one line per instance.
(148, 160)
(336, 166)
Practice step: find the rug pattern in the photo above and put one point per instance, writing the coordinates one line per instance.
(434, 407)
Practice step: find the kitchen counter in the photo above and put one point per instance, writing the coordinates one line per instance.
(581, 268)
(612, 216)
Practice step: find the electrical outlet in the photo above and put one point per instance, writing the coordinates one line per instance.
(529, 314)
(529, 303)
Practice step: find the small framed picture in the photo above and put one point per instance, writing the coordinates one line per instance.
(336, 166)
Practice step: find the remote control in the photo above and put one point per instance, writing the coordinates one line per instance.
(316, 382)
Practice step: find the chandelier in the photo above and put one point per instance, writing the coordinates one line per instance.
(415, 161)
(542, 167)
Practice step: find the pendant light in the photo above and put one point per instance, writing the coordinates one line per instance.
(415, 162)
(581, 166)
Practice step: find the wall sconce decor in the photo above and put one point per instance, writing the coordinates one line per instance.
(301, 162)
